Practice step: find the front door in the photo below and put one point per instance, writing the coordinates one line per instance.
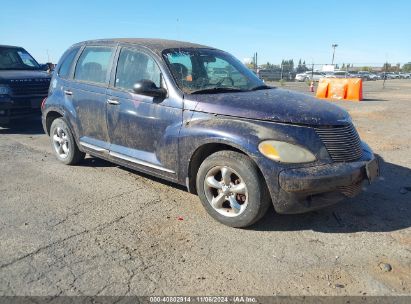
(89, 97)
(143, 130)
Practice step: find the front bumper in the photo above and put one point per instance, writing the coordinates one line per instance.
(17, 108)
(306, 189)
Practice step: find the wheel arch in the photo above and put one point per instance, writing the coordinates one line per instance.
(50, 117)
(204, 151)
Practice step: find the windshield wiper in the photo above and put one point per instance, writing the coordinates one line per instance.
(216, 90)
(261, 87)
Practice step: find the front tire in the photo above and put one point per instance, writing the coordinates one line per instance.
(231, 189)
(63, 143)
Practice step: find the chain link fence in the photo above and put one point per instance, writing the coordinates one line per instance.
(314, 71)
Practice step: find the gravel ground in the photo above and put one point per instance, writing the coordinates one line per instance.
(100, 229)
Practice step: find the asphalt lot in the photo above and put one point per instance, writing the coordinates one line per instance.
(101, 229)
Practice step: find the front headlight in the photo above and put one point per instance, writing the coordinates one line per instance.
(4, 89)
(284, 152)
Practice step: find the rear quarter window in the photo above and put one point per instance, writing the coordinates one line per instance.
(67, 62)
(93, 64)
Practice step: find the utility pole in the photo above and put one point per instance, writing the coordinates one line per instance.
(255, 62)
(333, 46)
(312, 71)
(281, 76)
(385, 75)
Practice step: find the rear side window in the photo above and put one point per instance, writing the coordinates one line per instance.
(65, 66)
(134, 66)
(93, 64)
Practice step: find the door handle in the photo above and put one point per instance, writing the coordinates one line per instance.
(113, 101)
(68, 92)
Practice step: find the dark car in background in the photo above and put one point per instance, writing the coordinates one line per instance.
(196, 116)
(23, 84)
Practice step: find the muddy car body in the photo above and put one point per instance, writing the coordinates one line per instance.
(237, 143)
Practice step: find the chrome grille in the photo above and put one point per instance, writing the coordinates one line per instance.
(342, 143)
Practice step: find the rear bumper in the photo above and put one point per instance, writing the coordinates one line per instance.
(18, 108)
(306, 189)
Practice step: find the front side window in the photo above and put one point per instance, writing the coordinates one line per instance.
(65, 66)
(134, 66)
(16, 59)
(93, 64)
(198, 71)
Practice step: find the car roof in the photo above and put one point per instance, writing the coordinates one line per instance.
(154, 44)
(10, 46)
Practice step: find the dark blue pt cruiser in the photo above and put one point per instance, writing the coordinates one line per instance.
(196, 116)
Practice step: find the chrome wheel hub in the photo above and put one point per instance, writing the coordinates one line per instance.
(226, 191)
(61, 143)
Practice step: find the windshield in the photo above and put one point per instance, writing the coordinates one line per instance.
(16, 59)
(206, 71)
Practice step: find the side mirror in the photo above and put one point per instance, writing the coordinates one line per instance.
(149, 88)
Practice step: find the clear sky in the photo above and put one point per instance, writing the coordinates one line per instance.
(367, 32)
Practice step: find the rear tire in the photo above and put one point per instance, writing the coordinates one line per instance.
(63, 143)
(231, 189)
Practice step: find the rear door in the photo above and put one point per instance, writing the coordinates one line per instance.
(88, 93)
(61, 83)
(143, 130)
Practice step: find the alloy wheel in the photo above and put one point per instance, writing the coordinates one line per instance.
(61, 142)
(226, 191)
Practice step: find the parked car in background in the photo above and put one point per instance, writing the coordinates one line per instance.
(23, 84)
(157, 106)
(309, 75)
(364, 75)
(392, 76)
(301, 77)
(403, 75)
(372, 76)
(338, 74)
(383, 75)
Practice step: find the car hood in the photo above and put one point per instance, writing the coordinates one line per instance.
(275, 104)
(23, 76)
